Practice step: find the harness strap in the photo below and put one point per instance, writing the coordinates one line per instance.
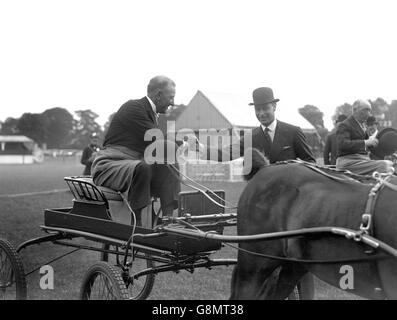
(367, 217)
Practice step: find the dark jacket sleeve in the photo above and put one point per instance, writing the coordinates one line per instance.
(327, 150)
(346, 142)
(301, 146)
(86, 156)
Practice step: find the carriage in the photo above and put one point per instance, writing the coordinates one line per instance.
(131, 255)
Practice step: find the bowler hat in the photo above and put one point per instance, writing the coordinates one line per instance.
(262, 96)
(371, 120)
(387, 143)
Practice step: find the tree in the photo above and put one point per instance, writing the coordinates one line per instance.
(10, 126)
(59, 126)
(33, 125)
(345, 109)
(392, 114)
(107, 124)
(379, 107)
(315, 117)
(83, 127)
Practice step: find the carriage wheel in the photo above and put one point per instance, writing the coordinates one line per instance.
(139, 289)
(102, 281)
(12, 275)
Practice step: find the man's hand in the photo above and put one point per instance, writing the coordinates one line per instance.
(371, 142)
(193, 144)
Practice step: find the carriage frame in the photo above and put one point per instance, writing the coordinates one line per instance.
(131, 256)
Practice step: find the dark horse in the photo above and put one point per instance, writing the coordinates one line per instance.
(291, 196)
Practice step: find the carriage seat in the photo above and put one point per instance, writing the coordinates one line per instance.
(119, 210)
(110, 194)
(85, 191)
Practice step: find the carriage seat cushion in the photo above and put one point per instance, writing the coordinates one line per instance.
(110, 194)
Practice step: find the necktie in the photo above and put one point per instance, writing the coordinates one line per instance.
(156, 118)
(267, 142)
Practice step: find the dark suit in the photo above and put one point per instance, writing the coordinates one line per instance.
(120, 166)
(86, 158)
(352, 153)
(330, 149)
(350, 138)
(289, 143)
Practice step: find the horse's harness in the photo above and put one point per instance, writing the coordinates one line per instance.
(366, 226)
(381, 180)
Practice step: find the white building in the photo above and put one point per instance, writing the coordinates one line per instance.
(16, 150)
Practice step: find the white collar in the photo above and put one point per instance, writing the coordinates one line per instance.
(272, 126)
(152, 104)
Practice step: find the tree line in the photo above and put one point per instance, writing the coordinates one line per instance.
(55, 127)
(58, 128)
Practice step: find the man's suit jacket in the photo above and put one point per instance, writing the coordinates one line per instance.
(289, 143)
(129, 125)
(350, 138)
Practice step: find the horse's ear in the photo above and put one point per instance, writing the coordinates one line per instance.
(253, 161)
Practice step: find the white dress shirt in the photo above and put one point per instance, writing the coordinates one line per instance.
(154, 109)
(272, 129)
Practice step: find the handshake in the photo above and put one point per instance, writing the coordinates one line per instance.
(191, 143)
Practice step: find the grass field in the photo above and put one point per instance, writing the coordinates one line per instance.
(21, 216)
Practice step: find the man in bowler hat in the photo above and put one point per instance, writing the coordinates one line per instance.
(280, 141)
(277, 140)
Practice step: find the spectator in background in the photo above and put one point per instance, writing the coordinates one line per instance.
(354, 143)
(89, 153)
(372, 126)
(329, 153)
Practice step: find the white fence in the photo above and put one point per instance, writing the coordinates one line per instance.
(202, 170)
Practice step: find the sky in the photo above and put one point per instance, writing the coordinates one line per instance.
(98, 54)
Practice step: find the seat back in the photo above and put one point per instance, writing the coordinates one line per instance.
(84, 189)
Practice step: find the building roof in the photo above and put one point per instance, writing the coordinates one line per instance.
(6, 138)
(235, 108)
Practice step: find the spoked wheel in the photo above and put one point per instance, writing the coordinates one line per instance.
(103, 282)
(12, 275)
(140, 288)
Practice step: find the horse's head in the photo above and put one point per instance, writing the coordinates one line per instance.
(253, 161)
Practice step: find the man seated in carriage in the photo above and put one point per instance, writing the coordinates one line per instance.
(121, 165)
(354, 143)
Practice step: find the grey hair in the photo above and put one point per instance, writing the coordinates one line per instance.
(158, 83)
(360, 103)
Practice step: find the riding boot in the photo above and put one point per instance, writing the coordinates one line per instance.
(144, 216)
(138, 217)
